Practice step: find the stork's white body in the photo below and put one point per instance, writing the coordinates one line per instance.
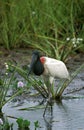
(55, 68)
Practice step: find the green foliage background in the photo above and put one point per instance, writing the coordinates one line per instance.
(41, 24)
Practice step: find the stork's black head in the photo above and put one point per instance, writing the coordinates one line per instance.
(36, 54)
(36, 66)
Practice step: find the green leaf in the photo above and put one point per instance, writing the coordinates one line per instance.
(36, 124)
(20, 122)
(26, 123)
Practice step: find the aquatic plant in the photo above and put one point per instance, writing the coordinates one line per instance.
(22, 124)
(6, 82)
(20, 84)
(4, 86)
(25, 124)
(39, 84)
(4, 125)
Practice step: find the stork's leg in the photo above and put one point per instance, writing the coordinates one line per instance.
(45, 109)
(51, 80)
(48, 104)
(48, 85)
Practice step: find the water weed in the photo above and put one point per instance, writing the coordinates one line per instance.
(9, 82)
(25, 124)
(39, 84)
(4, 125)
(22, 124)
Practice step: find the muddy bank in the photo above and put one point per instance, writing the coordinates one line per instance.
(21, 56)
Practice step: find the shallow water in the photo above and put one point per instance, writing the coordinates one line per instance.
(67, 115)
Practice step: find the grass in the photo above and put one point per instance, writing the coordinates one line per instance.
(63, 84)
(38, 83)
(4, 87)
(9, 82)
(42, 25)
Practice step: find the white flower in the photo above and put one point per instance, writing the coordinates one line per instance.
(79, 39)
(74, 45)
(33, 13)
(1, 121)
(68, 38)
(6, 73)
(73, 40)
(6, 65)
(20, 84)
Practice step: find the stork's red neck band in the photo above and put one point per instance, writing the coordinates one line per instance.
(42, 59)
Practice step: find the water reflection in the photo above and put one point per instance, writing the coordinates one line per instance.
(49, 117)
(65, 115)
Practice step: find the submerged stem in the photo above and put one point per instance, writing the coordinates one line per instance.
(67, 82)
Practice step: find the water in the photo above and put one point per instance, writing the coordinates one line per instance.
(67, 115)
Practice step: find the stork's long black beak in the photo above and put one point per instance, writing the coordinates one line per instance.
(33, 60)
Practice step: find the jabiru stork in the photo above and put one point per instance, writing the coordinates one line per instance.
(48, 67)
